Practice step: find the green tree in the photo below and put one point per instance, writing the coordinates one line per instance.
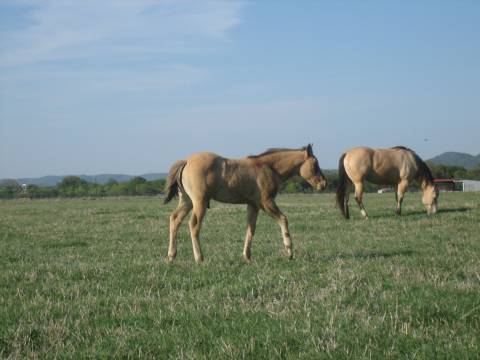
(136, 186)
(111, 182)
(73, 186)
(9, 189)
(474, 173)
(37, 192)
(72, 182)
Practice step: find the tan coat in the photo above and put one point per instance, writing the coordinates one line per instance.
(397, 166)
(254, 180)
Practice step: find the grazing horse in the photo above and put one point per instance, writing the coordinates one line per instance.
(397, 166)
(254, 180)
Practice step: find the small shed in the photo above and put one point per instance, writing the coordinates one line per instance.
(470, 185)
(457, 185)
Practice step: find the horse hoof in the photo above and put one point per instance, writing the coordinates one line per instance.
(170, 259)
(199, 260)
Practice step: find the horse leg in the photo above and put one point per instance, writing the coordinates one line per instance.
(347, 198)
(252, 214)
(199, 210)
(401, 188)
(398, 206)
(272, 209)
(358, 198)
(183, 208)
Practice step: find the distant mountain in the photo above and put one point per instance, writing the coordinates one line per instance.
(100, 179)
(154, 176)
(456, 159)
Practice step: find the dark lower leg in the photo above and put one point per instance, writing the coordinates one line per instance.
(252, 213)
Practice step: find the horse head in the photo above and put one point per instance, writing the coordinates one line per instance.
(310, 170)
(430, 197)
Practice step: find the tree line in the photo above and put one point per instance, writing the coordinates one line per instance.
(74, 186)
(454, 172)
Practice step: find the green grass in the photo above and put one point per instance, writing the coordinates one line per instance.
(87, 278)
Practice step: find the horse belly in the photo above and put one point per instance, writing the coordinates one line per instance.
(385, 177)
(234, 190)
(385, 170)
(232, 195)
(230, 198)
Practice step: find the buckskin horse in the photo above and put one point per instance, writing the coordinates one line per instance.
(397, 166)
(254, 180)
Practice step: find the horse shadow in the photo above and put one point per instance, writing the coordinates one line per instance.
(424, 212)
(454, 210)
(370, 255)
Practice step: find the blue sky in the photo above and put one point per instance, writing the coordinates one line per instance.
(118, 86)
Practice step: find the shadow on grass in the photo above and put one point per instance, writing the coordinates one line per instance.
(421, 212)
(454, 210)
(57, 245)
(370, 255)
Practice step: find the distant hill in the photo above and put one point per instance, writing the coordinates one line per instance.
(456, 159)
(100, 179)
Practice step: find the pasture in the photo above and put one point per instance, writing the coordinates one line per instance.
(88, 278)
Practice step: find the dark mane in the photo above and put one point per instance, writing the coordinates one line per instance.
(423, 169)
(274, 151)
(401, 148)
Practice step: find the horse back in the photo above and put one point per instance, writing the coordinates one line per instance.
(395, 164)
(380, 166)
(227, 180)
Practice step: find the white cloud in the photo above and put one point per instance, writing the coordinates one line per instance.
(131, 29)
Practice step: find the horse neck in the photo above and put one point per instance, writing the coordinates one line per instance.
(423, 174)
(285, 163)
(425, 182)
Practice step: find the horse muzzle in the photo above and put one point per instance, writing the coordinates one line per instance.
(432, 209)
(321, 185)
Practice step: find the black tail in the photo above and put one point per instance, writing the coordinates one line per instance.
(342, 188)
(171, 187)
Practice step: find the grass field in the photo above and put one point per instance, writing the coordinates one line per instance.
(87, 278)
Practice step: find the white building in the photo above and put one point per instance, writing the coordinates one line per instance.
(458, 185)
(470, 185)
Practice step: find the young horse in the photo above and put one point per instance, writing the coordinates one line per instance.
(397, 166)
(254, 181)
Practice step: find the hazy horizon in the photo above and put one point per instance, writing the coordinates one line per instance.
(164, 172)
(119, 87)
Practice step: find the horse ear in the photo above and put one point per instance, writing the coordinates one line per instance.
(309, 150)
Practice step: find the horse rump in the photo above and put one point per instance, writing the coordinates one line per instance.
(173, 180)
